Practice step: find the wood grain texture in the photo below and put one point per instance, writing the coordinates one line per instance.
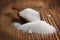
(7, 32)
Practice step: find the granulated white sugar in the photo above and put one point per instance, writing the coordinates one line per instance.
(37, 27)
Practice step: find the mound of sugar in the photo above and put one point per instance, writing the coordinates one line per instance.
(37, 27)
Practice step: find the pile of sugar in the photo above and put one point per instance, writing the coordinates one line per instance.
(35, 25)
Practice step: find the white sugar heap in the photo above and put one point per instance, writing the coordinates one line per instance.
(35, 25)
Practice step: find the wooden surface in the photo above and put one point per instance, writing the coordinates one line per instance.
(45, 7)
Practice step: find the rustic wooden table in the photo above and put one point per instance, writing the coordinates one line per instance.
(50, 14)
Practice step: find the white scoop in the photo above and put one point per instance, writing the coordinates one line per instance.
(30, 14)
